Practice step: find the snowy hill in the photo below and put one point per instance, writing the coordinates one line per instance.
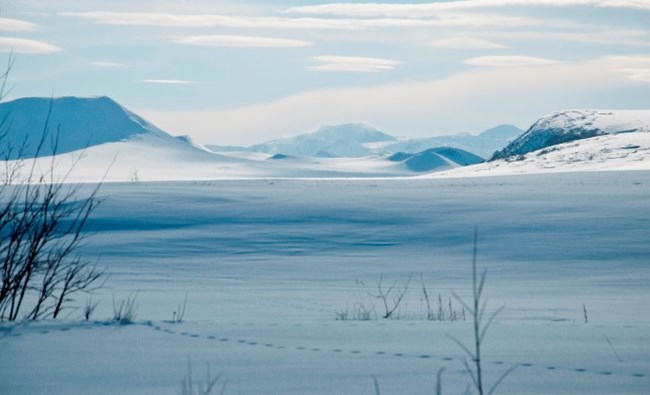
(359, 140)
(566, 126)
(436, 159)
(71, 124)
(573, 141)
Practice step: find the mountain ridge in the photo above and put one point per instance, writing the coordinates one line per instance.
(321, 144)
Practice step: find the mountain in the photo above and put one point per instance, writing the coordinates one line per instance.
(566, 126)
(68, 124)
(346, 140)
(359, 140)
(102, 140)
(436, 159)
(484, 145)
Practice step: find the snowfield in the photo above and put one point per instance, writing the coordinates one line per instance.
(267, 264)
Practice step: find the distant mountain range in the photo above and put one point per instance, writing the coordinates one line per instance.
(359, 140)
(109, 137)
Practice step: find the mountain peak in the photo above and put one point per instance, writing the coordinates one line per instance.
(357, 132)
(70, 123)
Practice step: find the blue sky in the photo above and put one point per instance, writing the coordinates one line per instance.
(238, 72)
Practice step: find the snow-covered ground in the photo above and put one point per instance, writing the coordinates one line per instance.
(266, 264)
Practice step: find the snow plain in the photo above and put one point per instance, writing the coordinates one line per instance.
(266, 264)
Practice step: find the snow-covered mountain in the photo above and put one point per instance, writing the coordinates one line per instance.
(565, 126)
(436, 159)
(112, 140)
(68, 124)
(571, 141)
(359, 140)
(347, 140)
(484, 144)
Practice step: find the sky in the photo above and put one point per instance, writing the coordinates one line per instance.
(242, 72)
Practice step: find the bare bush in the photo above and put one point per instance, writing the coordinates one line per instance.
(359, 312)
(480, 326)
(89, 309)
(445, 310)
(190, 387)
(42, 218)
(392, 296)
(124, 311)
(179, 313)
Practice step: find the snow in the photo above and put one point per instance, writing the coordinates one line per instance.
(566, 126)
(269, 248)
(436, 159)
(71, 123)
(624, 151)
(267, 263)
(360, 140)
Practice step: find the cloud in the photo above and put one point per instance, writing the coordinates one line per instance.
(472, 101)
(508, 61)
(354, 64)
(190, 20)
(617, 37)
(641, 75)
(461, 42)
(16, 25)
(23, 45)
(241, 41)
(167, 82)
(106, 64)
(197, 20)
(634, 67)
(433, 9)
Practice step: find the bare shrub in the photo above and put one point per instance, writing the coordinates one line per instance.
(124, 311)
(359, 312)
(392, 296)
(190, 387)
(179, 313)
(42, 219)
(89, 309)
(476, 308)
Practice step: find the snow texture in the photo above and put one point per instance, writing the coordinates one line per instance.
(266, 264)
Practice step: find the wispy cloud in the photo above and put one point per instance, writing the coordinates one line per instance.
(241, 41)
(641, 75)
(433, 9)
(16, 25)
(461, 42)
(212, 20)
(167, 82)
(106, 64)
(508, 61)
(618, 37)
(634, 67)
(23, 45)
(354, 64)
(192, 20)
